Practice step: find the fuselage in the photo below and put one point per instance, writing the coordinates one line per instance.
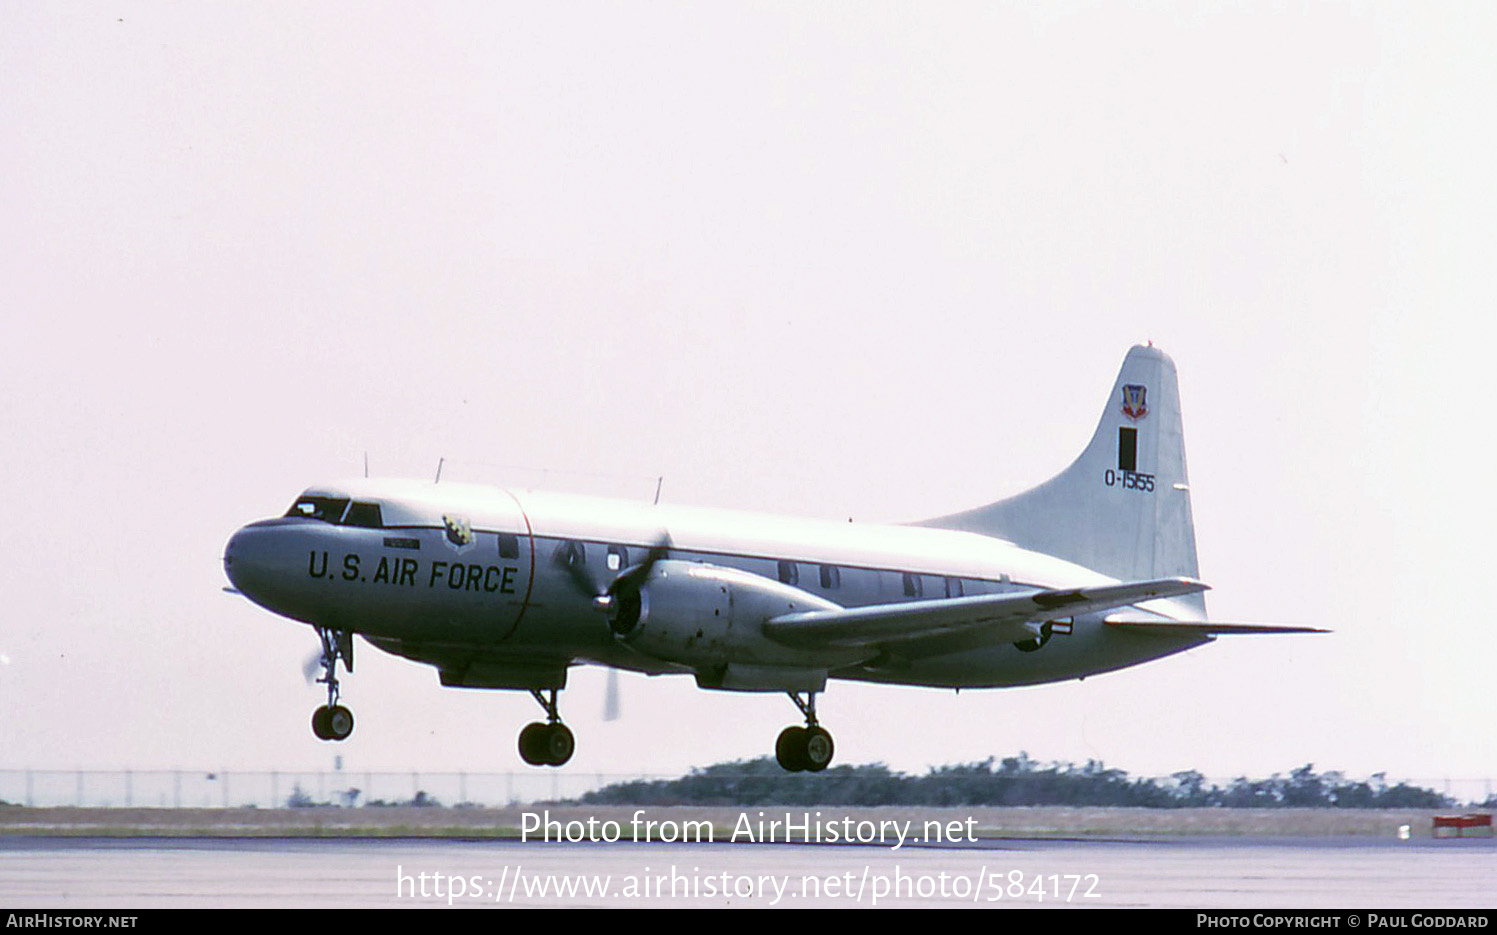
(472, 579)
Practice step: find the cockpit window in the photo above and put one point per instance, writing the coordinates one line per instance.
(327, 509)
(363, 514)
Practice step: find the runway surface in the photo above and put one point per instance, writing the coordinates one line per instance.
(115, 873)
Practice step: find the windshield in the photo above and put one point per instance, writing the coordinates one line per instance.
(328, 509)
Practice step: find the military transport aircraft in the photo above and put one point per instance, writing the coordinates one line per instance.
(1092, 571)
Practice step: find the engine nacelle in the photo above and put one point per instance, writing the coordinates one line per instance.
(705, 615)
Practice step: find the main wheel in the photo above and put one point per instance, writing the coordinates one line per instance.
(533, 743)
(816, 749)
(320, 724)
(790, 749)
(339, 723)
(559, 744)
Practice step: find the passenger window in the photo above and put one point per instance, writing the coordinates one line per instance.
(954, 587)
(912, 586)
(571, 553)
(831, 577)
(509, 545)
(789, 574)
(617, 557)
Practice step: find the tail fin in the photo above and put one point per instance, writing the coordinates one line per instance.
(1123, 507)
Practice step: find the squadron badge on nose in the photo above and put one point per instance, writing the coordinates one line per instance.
(459, 531)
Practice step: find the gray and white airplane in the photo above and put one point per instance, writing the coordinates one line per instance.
(1093, 570)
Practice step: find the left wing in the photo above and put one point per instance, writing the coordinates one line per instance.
(1001, 616)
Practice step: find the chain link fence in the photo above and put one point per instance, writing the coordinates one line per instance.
(188, 788)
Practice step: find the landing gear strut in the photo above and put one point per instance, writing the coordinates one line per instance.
(332, 721)
(548, 744)
(806, 748)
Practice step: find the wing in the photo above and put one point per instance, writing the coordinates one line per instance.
(998, 616)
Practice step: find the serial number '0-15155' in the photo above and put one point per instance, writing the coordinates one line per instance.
(1128, 480)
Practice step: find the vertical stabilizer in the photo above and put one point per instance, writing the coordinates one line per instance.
(1123, 507)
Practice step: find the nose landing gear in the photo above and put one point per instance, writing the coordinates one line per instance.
(332, 721)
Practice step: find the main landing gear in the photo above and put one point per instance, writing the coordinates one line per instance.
(808, 748)
(332, 721)
(548, 744)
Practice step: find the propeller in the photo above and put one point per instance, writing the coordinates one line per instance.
(620, 600)
(611, 696)
(623, 589)
(311, 667)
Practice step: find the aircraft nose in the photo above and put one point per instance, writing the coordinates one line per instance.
(250, 557)
(267, 562)
(237, 558)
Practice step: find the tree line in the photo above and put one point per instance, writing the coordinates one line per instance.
(1012, 781)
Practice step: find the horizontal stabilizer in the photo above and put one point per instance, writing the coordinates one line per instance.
(1204, 627)
(1004, 615)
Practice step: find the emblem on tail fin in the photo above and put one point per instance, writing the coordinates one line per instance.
(1133, 401)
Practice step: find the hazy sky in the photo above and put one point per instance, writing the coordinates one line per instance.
(878, 260)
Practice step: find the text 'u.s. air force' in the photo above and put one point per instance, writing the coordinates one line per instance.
(398, 571)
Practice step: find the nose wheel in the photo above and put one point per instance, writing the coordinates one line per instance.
(332, 721)
(804, 749)
(548, 744)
